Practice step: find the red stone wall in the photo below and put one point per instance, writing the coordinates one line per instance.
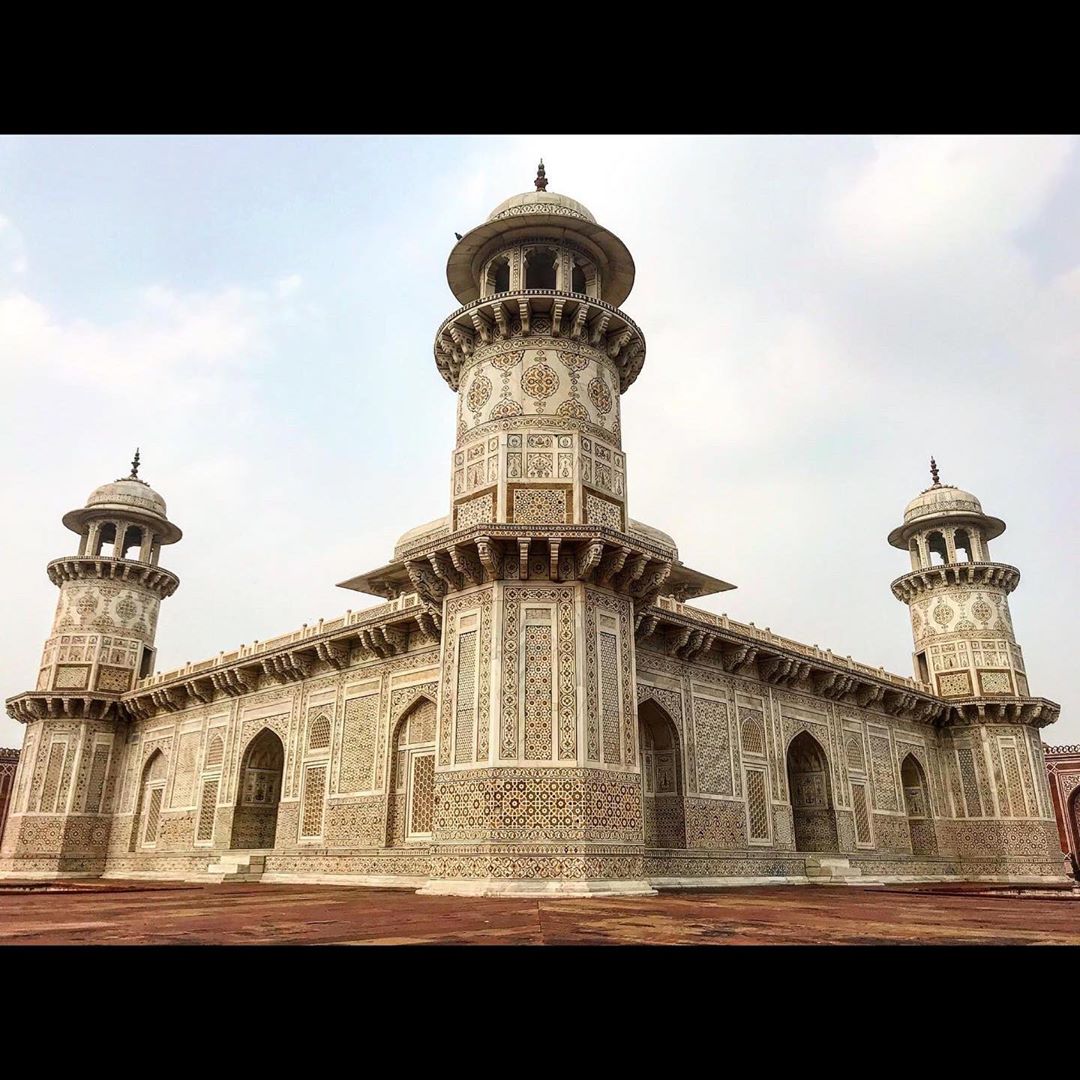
(1063, 775)
(9, 762)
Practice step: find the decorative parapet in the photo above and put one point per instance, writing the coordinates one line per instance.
(812, 652)
(1061, 751)
(512, 314)
(688, 633)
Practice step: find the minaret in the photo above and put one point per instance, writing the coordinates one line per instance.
(536, 580)
(102, 640)
(958, 597)
(994, 770)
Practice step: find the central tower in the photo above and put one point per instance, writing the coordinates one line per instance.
(535, 581)
(539, 356)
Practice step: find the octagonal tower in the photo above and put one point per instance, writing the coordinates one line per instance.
(537, 578)
(958, 596)
(102, 640)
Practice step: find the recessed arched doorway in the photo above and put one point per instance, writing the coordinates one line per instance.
(1074, 821)
(662, 785)
(411, 802)
(917, 804)
(811, 795)
(258, 793)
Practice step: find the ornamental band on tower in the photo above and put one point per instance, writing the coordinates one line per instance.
(535, 708)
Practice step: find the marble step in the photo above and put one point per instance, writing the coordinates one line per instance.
(822, 868)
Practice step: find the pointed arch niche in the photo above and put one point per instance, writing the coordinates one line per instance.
(411, 801)
(663, 785)
(258, 793)
(811, 795)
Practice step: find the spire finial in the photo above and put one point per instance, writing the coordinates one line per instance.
(541, 177)
(934, 472)
(135, 466)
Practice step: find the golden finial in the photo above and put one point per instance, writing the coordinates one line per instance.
(541, 177)
(934, 472)
(135, 466)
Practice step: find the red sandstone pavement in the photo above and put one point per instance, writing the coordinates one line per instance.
(180, 913)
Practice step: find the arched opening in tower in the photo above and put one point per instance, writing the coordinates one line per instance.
(106, 540)
(498, 280)
(939, 553)
(540, 269)
(811, 797)
(962, 543)
(133, 538)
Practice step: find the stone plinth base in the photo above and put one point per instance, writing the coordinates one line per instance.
(539, 889)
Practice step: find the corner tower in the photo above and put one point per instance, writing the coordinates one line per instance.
(958, 596)
(102, 640)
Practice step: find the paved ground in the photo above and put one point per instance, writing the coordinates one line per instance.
(162, 913)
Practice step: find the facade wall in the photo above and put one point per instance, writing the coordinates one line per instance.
(533, 746)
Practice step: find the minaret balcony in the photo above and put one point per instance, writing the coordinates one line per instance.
(99, 567)
(931, 578)
(526, 313)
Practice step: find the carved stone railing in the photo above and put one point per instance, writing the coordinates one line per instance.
(916, 582)
(811, 651)
(82, 567)
(574, 316)
(307, 633)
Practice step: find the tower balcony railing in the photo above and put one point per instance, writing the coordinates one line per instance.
(514, 314)
(81, 567)
(1001, 575)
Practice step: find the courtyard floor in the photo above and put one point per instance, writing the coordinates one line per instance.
(163, 913)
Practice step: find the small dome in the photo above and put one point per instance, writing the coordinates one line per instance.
(429, 528)
(941, 499)
(129, 492)
(650, 532)
(541, 202)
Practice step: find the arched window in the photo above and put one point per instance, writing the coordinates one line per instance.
(939, 553)
(106, 539)
(319, 733)
(540, 269)
(215, 752)
(410, 805)
(144, 831)
(962, 542)
(133, 538)
(498, 275)
(577, 278)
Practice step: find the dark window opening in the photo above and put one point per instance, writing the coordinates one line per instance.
(540, 269)
(133, 538)
(939, 553)
(105, 540)
(578, 279)
(962, 542)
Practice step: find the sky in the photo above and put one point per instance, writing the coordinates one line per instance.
(821, 314)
